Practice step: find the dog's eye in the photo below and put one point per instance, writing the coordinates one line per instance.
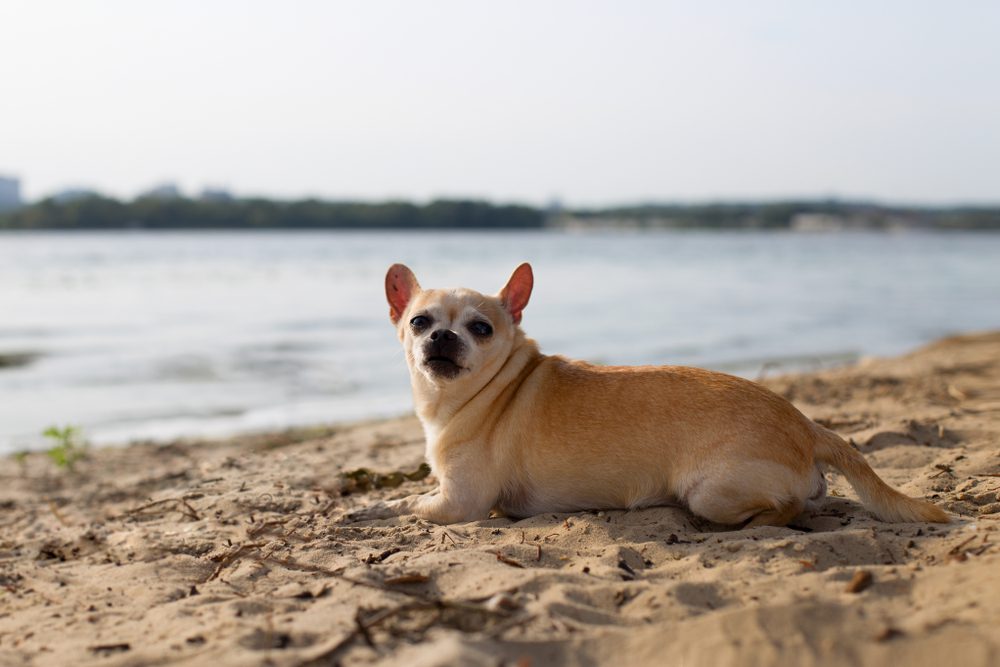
(420, 322)
(480, 329)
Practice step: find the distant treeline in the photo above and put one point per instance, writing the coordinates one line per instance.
(181, 213)
(97, 212)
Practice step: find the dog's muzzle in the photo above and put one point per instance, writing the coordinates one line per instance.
(441, 353)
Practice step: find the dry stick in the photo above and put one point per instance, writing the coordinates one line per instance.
(861, 580)
(982, 547)
(382, 586)
(58, 515)
(253, 531)
(423, 601)
(363, 628)
(507, 561)
(432, 604)
(306, 567)
(958, 553)
(202, 482)
(412, 578)
(110, 648)
(187, 510)
(228, 559)
(958, 548)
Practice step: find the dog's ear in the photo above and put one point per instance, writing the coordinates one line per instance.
(400, 286)
(517, 291)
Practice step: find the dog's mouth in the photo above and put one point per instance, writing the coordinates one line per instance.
(442, 366)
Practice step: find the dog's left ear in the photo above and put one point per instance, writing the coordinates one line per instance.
(400, 286)
(517, 291)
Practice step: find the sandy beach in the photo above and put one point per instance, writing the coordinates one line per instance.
(237, 552)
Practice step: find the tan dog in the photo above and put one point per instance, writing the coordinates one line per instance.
(511, 429)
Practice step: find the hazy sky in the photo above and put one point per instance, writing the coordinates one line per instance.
(591, 102)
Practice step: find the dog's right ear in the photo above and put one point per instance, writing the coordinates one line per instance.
(517, 291)
(400, 286)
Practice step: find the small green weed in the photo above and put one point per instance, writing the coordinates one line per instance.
(69, 447)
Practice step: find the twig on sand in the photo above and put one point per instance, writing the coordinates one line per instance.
(246, 551)
(507, 561)
(58, 515)
(110, 648)
(256, 529)
(956, 553)
(371, 559)
(412, 578)
(184, 507)
(943, 469)
(861, 580)
(364, 624)
(440, 606)
(227, 559)
(453, 613)
(960, 554)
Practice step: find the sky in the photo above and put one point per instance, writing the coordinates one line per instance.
(590, 103)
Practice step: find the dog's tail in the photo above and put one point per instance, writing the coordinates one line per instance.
(887, 503)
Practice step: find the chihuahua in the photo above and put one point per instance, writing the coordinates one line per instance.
(510, 429)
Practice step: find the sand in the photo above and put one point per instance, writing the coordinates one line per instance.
(237, 553)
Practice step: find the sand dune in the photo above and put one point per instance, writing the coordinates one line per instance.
(236, 552)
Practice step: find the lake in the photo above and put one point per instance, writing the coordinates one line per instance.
(135, 335)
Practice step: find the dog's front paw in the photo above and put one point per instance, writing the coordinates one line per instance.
(379, 510)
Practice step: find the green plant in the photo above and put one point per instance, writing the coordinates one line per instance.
(69, 448)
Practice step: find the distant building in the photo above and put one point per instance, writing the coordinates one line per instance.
(10, 193)
(163, 191)
(866, 220)
(215, 194)
(822, 222)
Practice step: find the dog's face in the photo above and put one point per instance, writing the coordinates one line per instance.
(450, 335)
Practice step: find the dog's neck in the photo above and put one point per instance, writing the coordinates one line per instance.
(437, 405)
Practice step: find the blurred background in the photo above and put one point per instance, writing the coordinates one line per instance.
(198, 201)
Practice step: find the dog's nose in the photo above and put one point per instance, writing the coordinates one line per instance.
(444, 335)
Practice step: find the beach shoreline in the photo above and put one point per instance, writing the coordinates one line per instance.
(235, 551)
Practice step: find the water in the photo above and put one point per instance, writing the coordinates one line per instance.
(157, 335)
